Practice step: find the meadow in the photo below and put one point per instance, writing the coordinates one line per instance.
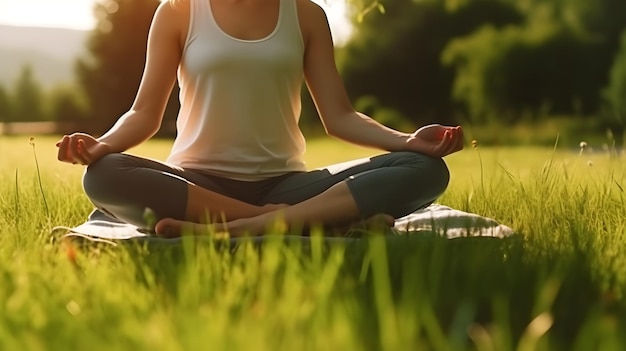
(559, 284)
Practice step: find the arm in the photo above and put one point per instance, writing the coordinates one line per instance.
(338, 116)
(143, 120)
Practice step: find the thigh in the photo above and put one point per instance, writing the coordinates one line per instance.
(396, 183)
(302, 186)
(124, 165)
(124, 186)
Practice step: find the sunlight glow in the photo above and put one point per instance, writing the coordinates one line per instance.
(74, 14)
(78, 14)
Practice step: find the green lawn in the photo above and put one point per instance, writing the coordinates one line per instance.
(558, 285)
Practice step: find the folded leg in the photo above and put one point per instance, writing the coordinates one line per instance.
(124, 186)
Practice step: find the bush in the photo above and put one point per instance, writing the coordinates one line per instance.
(526, 71)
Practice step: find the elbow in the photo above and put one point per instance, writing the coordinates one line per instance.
(341, 131)
(332, 130)
(334, 127)
(150, 129)
(340, 124)
(153, 128)
(149, 120)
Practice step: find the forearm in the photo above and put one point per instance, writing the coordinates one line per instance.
(133, 128)
(360, 129)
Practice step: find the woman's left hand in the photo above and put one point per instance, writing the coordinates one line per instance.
(436, 140)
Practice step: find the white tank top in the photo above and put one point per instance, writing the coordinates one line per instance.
(240, 99)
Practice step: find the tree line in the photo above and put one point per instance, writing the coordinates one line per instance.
(106, 78)
(408, 63)
(27, 101)
(492, 60)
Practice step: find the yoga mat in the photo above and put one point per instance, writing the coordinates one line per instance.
(441, 220)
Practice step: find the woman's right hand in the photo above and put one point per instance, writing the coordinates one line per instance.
(81, 148)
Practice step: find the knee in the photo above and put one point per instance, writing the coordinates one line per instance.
(103, 175)
(431, 172)
(440, 175)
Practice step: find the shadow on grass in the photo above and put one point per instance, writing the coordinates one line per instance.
(453, 284)
(489, 282)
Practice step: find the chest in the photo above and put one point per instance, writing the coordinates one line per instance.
(246, 19)
(274, 47)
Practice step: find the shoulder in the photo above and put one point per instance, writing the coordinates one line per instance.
(180, 5)
(173, 15)
(312, 18)
(308, 11)
(175, 10)
(173, 7)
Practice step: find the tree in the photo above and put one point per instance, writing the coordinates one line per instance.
(67, 104)
(506, 74)
(395, 56)
(553, 63)
(5, 105)
(27, 98)
(110, 75)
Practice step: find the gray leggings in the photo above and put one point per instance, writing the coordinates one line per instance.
(396, 183)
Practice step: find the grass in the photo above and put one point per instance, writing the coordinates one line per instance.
(559, 285)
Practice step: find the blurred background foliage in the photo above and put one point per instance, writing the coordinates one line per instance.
(497, 63)
(496, 66)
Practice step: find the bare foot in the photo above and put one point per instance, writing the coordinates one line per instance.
(172, 228)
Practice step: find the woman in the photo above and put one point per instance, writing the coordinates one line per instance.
(237, 159)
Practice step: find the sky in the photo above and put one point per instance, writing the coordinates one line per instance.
(77, 14)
